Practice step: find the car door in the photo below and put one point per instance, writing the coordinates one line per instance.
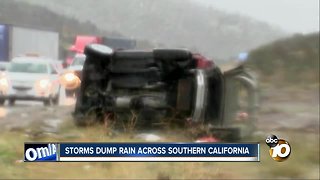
(240, 100)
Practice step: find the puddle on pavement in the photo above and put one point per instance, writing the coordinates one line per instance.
(51, 125)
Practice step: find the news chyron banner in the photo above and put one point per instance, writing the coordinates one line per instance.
(138, 152)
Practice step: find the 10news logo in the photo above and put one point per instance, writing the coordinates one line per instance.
(280, 149)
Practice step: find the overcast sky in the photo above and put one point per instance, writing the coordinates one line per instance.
(290, 15)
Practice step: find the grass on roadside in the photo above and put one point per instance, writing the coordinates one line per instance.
(303, 163)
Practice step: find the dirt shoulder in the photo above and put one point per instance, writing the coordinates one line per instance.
(289, 108)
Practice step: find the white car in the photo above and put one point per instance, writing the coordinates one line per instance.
(31, 78)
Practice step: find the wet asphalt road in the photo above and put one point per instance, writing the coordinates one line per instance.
(25, 112)
(277, 111)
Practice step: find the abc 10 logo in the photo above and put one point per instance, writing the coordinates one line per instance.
(280, 149)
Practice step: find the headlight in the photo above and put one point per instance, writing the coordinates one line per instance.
(43, 86)
(4, 82)
(44, 83)
(70, 81)
(69, 77)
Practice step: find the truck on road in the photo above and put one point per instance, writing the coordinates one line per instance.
(16, 41)
(113, 42)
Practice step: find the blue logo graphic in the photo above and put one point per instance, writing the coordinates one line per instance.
(40, 152)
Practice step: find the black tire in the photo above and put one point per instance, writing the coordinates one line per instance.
(12, 102)
(2, 101)
(47, 102)
(55, 100)
(70, 93)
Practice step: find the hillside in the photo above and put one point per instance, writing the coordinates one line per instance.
(167, 23)
(28, 15)
(290, 60)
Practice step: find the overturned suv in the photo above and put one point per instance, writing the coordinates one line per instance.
(164, 86)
